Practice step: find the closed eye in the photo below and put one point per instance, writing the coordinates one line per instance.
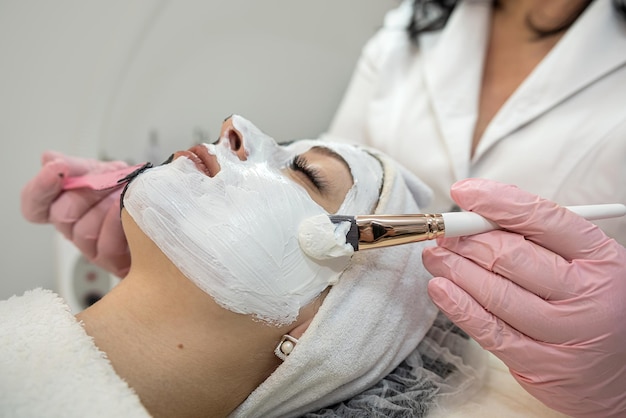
(300, 163)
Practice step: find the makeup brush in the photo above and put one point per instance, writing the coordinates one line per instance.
(104, 181)
(330, 236)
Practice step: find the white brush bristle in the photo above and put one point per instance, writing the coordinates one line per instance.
(322, 239)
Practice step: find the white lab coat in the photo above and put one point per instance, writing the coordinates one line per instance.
(561, 135)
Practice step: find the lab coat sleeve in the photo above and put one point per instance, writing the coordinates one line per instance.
(350, 121)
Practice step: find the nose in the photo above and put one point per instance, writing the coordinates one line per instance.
(235, 139)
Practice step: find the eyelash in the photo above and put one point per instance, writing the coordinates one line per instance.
(299, 163)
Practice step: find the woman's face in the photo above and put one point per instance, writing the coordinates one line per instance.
(227, 215)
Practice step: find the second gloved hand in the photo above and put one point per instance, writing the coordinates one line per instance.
(546, 298)
(88, 218)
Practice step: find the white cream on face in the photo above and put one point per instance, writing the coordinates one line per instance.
(236, 235)
(322, 239)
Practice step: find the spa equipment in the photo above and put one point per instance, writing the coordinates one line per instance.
(324, 237)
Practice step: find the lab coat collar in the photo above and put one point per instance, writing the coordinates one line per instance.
(453, 73)
(452, 66)
(594, 46)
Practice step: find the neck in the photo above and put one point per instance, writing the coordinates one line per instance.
(182, 353)
(536, 19)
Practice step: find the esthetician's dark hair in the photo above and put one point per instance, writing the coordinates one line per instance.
(429, 15)
(432, 15)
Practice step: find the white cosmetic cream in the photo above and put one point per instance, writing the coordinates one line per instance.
(322, 239)
(235, 235)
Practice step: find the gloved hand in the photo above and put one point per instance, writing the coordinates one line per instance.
(548, 300)
(88, 218)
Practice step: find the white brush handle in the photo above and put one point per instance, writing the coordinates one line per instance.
(459, 224)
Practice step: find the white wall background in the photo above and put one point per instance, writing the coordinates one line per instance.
(94, 78)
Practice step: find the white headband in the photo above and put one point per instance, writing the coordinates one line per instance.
(370, 321)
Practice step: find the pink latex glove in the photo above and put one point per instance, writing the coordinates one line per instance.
(88, 218)
(548, 300)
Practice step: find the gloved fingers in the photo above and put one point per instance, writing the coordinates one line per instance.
(525, 263)
(87, 228)
(40, 192)
(539, 220)
(48, 156)
(542, 369)
(78, 166)
(100, 237)
(113, 253)
(42, 198)
(65, 229)
(72, 205)
(511, 304)
(509, 345)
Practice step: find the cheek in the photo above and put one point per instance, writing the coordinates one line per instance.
(257, 266)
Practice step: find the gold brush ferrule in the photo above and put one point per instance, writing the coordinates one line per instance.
(377, 231)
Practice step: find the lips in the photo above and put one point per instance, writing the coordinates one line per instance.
(199, 155)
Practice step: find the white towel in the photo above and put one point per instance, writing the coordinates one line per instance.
(370, 321)
(49, 366)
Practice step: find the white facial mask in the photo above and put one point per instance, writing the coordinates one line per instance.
(236, 235)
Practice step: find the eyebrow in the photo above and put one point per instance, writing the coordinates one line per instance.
(332, 154)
